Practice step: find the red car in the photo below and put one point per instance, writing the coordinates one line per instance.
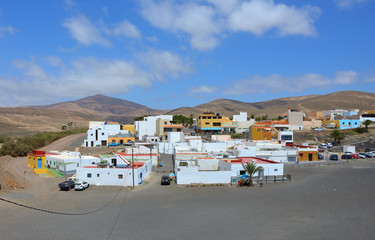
(355, 156)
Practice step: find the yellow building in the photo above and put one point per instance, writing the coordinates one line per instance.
(331, 123)
(121, 138)
(128, 127)
(36, 159)
(307, 154)
(263, 133)
(210, 122)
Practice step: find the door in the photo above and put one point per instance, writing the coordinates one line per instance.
(39, 163)
(310, 157)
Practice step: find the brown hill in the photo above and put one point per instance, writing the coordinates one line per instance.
(23, 121)
(276, 107)
(103, 106)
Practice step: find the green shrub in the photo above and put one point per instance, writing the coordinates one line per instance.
(4, 138)
(359, 130)
(15, 149)
(22, 145)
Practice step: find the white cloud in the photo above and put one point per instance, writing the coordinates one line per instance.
(190, 18)
(345, 77)
(105, 10)
(278, 83)
(84, 31)
(203, 89)
(206, 22)
(164, 63)
(125, 28)
(84, 77)
(348, 3)
(259, 16)
(9, 29)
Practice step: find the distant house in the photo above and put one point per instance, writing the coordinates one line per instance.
(349, 123)
(212, 123)
(104, 133)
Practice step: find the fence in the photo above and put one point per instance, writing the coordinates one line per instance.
(266, 179)
(314, 164)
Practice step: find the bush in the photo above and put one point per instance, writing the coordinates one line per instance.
(359, 130)
(4, 138)
(21, 146)
(15, 149)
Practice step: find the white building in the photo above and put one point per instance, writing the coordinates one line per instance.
(68, 162)
(147, 127)
(240, 118)
(98, 133)
(215, 171)
(115, 176)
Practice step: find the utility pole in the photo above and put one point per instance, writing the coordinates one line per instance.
(133, 166)
(24, 179)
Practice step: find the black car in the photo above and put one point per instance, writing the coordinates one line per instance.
(334, 157)
(320, 156)
(346, 156)
(165, 180)
(67, 185)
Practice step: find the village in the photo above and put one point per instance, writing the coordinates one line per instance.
(203, 152)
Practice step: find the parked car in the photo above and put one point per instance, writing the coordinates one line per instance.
(165, 180)
(67, 185)
(370, 150)
(361, 155)
(329, 145)
(346, 156)
(323, 146)
(355, 156)
(320, 156)
(113, 144)
(319, 129)
(334, 157)
(81, 186)
(369, 155)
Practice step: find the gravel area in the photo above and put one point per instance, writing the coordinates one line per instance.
(325, 202)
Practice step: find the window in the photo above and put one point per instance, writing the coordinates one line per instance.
(217, 124)
(97, 175)
(276, 170)
(120, 176)
(183, 164)
(89, 175)
(286, 137)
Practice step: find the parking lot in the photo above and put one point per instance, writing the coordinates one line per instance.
(327, 202)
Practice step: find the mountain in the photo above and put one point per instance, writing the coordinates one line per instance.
(101, 105)
(276, 107)
(26, 120)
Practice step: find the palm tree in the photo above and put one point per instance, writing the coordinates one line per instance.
(336, 135)
(366, 123)
(251, 168)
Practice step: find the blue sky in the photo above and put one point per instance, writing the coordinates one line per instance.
(170, 54)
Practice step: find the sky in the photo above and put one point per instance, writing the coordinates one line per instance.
(167, 54)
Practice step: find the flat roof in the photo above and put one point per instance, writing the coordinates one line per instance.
(251, 159)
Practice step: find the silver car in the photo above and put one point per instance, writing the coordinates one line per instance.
(81, 186)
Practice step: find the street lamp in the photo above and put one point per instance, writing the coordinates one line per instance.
(24, 179)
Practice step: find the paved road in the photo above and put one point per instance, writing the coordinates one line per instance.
(75, 140)
(328, 202)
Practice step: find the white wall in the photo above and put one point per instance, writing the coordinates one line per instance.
(240, 118)
(214, 147)
(110, 176)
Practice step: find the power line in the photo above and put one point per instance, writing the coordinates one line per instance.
(60, 213)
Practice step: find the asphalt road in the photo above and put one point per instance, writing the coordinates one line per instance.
(329, 202)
